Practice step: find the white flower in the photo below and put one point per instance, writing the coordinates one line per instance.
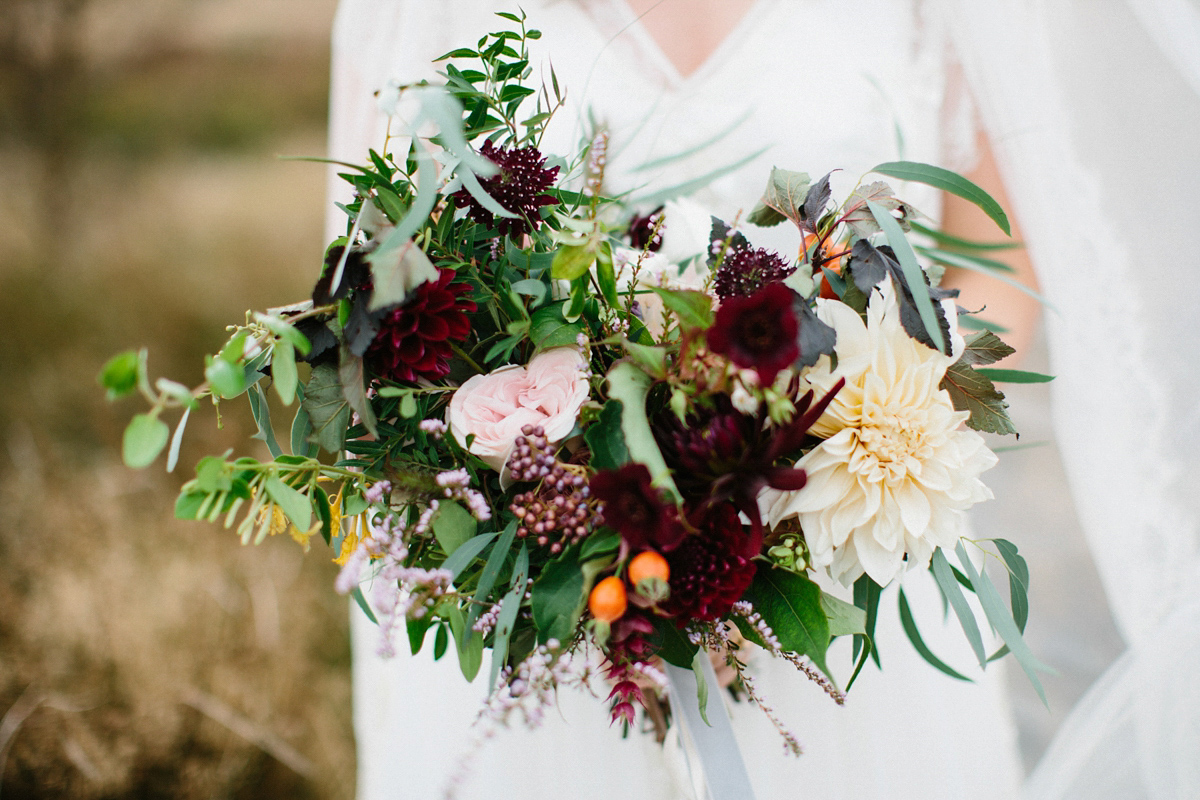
(895, 473)
(654, 269)
(686, 230)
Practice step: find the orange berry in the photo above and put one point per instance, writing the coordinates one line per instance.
(607, 602)
(648, 565)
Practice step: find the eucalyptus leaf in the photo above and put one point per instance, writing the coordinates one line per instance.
(295, 504)
(119, 375)
(509, 608)
(177, 440)
(145, 437)
(453, 526)
(630, 385)
(559, 597)
(606, 276)
(954, 242)
(467, 552)
(693, 308)
(491, 571)
(1002, 620)
(327, 408)
(947, 181)
(698, 664)
(283, 371)
(1013, 375)
(261, 411)
(301, 428)
(951, 590)
(357, 594)
(914, 636)
(417, 629)
(606, 439)
(913, 274)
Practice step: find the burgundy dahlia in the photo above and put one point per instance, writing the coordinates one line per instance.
(720, 456)
(711, 569)
(636, 509)
(745, 270)
(758, 332)
(414, 339)
(518, 188)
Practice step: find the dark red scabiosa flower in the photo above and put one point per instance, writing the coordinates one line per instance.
(758, 332)
(414, 339)
(642, 233)
(745, 270)
(712, 568)
(518, 188)
(636, 509)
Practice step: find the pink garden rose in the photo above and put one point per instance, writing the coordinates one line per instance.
(547, 392)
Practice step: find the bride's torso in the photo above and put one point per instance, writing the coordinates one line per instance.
(791, 84)
(794, 85)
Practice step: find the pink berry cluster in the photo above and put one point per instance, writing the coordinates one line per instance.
(561, 510)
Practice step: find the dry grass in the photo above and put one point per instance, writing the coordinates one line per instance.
(141, 656)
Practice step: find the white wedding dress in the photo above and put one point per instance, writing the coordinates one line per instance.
(820, 92)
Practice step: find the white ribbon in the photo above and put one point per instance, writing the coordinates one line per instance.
(719, 758)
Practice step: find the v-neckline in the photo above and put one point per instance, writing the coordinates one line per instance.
(710, 62)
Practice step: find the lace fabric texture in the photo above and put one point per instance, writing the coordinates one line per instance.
(412, 716)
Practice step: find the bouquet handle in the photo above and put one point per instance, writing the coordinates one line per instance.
(718, 755)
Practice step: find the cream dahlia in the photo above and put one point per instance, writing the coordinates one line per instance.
(895, 473)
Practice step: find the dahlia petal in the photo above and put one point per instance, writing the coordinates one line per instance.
(881, 563)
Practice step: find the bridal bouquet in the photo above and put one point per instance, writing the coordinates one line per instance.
(529, 428)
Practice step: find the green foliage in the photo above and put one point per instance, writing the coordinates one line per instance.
(845, 619)
(1002, 619)
(913, 274)
(675, 647)
(914, 636)
(947, 181)
(453, 526)
(327, 407)
(120, 374)
(559, 596)
(606, 439)
(952, 591)
(1014, 375)
(783, 199)
(145, 437)
(791, 605)
(972, 391)
(509, 607)
(693, 308)
(630, 385)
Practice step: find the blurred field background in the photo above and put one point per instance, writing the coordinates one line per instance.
(141, 201)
